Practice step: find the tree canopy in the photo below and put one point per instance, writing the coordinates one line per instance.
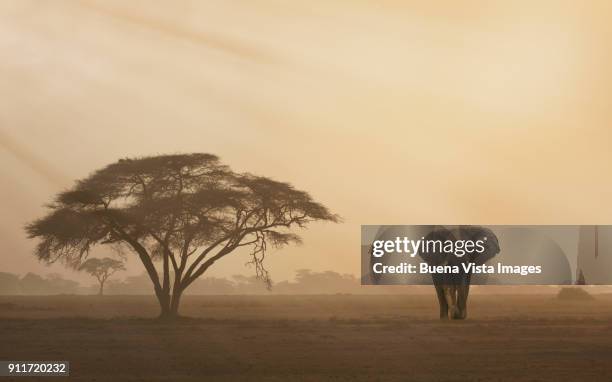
(185, 210)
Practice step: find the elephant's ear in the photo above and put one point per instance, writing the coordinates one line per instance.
(435, 255)
(488, 240)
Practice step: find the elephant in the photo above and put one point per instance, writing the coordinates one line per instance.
(452, 288)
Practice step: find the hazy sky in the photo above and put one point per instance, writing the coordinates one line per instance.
(393, 112)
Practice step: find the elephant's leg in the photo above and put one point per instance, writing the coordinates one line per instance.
(463, 290)
(450, 292)
(442, 302)
(462, 297)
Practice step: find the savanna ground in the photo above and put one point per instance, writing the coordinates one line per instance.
(530, 337)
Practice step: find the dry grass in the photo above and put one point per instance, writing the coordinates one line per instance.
(312, 338)
(574, 294)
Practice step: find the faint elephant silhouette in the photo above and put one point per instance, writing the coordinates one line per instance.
(594, 265)
(531, 245)
(452, 289)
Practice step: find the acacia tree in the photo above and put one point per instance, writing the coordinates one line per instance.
(184, 211)
(101, 269)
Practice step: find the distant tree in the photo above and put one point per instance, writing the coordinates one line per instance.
(32, 283)
(212, 285)
(9, 284)
(307, 281)
(140, 285)
(187, 211)
(54, 283)
(102, 269)
(249, 284)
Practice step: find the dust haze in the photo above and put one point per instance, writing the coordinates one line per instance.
(313, 93)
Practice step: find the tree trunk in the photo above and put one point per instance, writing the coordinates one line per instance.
(164, 304)
(169, 306)
(176, 299)
(101, 291)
